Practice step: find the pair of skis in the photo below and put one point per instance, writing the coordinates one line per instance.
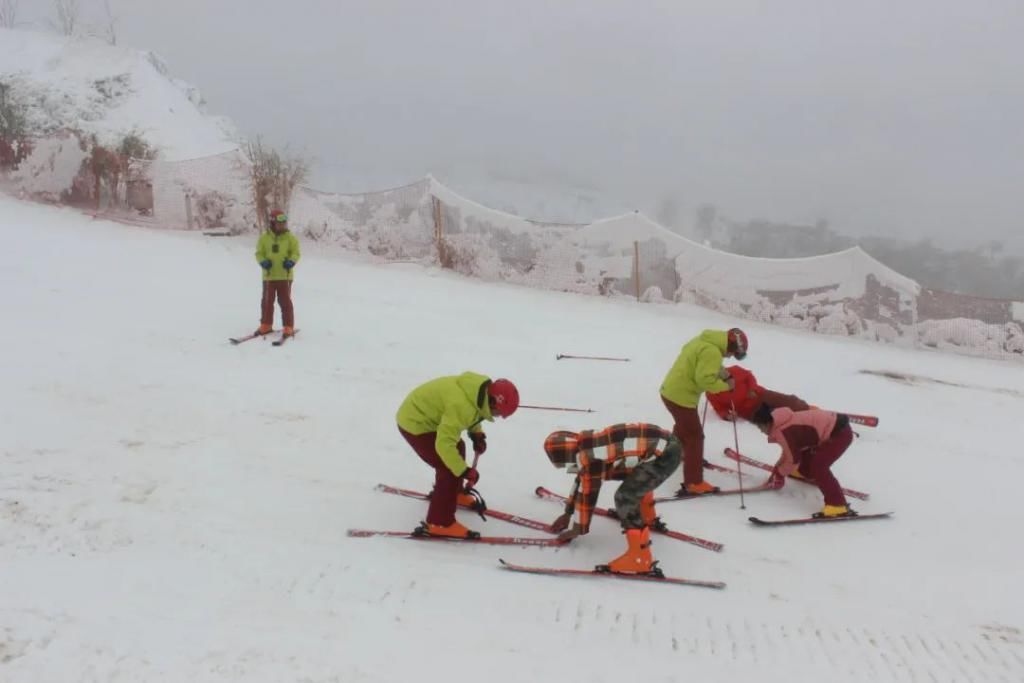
(656, 575)
(852, 493)
(521, 521)
(732, 454)
(256, 335)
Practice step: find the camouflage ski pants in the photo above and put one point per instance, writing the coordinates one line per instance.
(642, 481)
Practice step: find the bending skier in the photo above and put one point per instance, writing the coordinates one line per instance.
(642, 456)
(812, 440)
(698, 369)
(432, 419)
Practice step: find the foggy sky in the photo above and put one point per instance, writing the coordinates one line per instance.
(901, 117)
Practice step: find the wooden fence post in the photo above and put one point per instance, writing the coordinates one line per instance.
(636, 267)
(188, 210)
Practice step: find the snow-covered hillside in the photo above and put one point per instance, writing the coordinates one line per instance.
(174, 508)
(109, 91)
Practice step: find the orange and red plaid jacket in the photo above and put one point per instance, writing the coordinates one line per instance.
(612, 453)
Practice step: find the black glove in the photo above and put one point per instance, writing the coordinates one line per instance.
(266, 264)
(471, 476)
(479, 440)
(289, 264)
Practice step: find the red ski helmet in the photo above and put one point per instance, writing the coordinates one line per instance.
(562, 447)
(737, 343)
(504, 397)
(278, 216)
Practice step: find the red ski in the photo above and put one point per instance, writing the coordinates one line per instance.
(238, 340)
(865, 420)
(496, 514)
(484, 540)
(604, 512)
(658, 577)
(730, 453)
(816, 520)
(716, 494)
(720, 468)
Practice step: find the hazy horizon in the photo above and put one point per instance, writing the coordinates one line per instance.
(899, 120)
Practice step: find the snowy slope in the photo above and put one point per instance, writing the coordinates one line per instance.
(173, 508)
(109, 91)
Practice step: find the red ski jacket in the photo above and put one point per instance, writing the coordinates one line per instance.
(746, 395)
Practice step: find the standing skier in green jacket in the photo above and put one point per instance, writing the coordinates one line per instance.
(277, 252)
(698, 369)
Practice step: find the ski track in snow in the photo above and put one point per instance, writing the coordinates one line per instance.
(173, 507)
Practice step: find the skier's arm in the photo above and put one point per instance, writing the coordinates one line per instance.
(709, 363)
(591, 476)
(295, 253)
(721, 403)
(449, 433)
(570, 502)
(261, 252)
(794, 440)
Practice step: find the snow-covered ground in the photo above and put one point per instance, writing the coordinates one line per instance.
(174, 508)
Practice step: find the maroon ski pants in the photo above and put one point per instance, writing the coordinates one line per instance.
(282, 291)
(447, 486)
(690, 433)
(819, 465)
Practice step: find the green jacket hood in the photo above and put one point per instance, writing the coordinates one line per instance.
(474, 386)
(717, 338)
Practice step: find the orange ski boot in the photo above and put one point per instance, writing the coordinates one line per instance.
(700, 489)
(637, 559)
(288, 332)
(264, 329)
(453, 530)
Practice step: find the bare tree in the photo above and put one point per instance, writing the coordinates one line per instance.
(273, 178)
(68, 14)
(9, 13)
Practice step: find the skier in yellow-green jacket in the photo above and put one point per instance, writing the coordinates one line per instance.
(432, 418)
(277, 252)
(698, 369)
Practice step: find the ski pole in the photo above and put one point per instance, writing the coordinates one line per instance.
(481, 506)
(739, 462)
(570, 410)
(565, 355)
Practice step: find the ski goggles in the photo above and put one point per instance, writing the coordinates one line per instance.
(279, 218)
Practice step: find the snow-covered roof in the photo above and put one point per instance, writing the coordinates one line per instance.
(108, 91)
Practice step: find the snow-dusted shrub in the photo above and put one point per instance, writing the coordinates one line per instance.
(211, 209)
(653, 295)
(1014, 338)
(834, 322)
(762, 310)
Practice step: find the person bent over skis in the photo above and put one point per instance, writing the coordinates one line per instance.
(747, 396)
(642, 456)
(698, 369)
(432, 418)
(812, 440)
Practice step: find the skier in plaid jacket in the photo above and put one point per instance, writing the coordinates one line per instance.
(640, 455)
